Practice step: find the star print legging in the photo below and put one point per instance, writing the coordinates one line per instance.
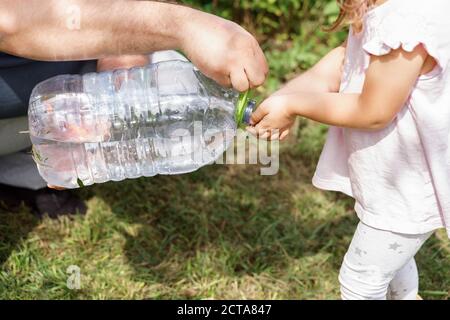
(380, 265)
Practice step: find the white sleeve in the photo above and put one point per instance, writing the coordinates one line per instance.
(407, 24)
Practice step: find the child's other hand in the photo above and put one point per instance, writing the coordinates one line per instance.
(272, 120)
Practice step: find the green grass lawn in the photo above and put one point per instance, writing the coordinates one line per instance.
(222, 232)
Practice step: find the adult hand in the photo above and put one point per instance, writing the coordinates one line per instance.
(223, 51)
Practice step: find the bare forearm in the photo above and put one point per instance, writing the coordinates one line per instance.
(389, 81)
(337, 109)
(86, 29)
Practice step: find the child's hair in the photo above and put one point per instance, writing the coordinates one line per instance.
(351, 13)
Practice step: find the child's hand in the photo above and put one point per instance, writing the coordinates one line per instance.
(272, 119)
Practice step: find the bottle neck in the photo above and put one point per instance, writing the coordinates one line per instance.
(248, 111)
(244, 110)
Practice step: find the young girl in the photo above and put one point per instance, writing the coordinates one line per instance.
(386, 94)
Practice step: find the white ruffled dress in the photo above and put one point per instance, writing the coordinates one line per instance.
(400, 175)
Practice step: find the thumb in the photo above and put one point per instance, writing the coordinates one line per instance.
(258, 114)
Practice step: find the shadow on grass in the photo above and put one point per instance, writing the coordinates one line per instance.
(232, 221)
(229, 220)
(14, 227)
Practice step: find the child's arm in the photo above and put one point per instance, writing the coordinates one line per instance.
(325, 76)
(389, 81)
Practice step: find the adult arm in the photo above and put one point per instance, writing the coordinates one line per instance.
(58, 30)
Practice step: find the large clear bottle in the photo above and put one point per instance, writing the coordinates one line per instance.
(165, 118)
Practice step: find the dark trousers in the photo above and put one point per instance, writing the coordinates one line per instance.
(18, 77)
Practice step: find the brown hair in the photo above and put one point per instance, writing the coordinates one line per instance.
(351, 13)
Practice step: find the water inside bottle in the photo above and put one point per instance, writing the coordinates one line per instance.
(86, 141)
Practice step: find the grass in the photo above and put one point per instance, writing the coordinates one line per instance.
(222, 232)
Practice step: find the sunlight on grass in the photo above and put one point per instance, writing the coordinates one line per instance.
(222, 232)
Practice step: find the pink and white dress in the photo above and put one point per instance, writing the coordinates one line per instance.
(400, 175)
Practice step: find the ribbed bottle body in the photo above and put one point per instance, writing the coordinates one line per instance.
(165, 118)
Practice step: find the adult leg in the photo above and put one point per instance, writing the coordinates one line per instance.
(17, 167)
(20, 181)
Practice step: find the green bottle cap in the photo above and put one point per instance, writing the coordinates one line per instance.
(244, 109)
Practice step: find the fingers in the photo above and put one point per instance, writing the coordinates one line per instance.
(275, 135)
(257, 68)
(252, 131)
(256, 77)
(243, 79)
(264, 134)
(239, 80)
(262, 131)
(268, 134)
(262, 60)
(261, 134)
(251, 75)
(223, 80)
(284, 134)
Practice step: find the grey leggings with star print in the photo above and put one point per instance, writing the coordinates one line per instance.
(380, 265)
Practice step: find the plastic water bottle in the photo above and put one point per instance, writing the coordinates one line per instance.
(165, 118)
